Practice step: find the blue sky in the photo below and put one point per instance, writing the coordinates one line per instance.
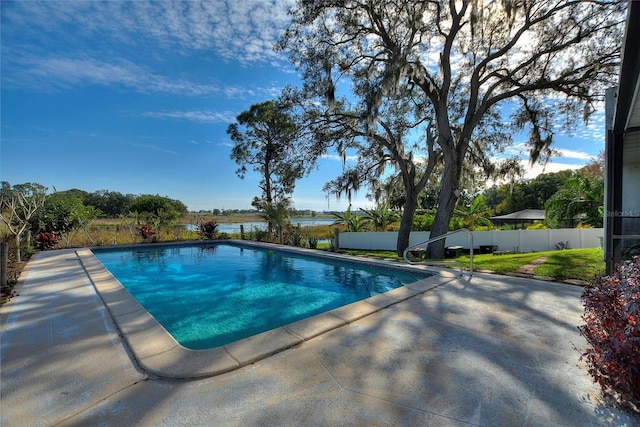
(136, 96)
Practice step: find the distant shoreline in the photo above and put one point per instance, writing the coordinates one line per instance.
(241, 217)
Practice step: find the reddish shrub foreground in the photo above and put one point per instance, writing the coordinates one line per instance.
(145, 231)
(46, 241)
(612, 329)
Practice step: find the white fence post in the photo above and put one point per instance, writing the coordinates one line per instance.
(520, 242)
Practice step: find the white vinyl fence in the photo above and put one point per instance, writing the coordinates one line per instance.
(512, 240)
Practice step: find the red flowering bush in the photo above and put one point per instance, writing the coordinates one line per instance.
(208, 229)
(46, 241)
(145, 231)
(612, 329)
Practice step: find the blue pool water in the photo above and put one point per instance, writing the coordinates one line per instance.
(211, 295)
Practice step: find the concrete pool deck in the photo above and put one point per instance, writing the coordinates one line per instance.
(491, 351)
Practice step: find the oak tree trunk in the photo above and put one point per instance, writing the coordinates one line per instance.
(410, 206)
(446, 205)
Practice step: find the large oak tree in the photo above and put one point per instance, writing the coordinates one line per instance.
(463, 63)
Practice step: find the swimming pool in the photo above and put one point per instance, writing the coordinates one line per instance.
(210, 295)
(157, 353)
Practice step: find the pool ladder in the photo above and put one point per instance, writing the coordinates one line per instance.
(418, 246)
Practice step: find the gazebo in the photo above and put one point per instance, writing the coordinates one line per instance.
(520, 218)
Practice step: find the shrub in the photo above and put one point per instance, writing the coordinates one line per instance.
(259, 234)
(612, 329)
(208, 229)
(295, 235)
(537, 226)
(456, 223)
(331, 237)
(422, 222)
(145, 232)
(46, 241)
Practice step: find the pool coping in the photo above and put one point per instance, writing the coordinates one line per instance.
(157, 353)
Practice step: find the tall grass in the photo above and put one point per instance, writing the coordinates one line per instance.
(111, 231)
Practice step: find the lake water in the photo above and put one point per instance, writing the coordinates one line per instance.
(234, 227)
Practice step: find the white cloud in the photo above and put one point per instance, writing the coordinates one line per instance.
(518, 149)
(521, 150)
(194, 116)
(61, 73)
(531, 171)
(51, 46)
(338, 158)
(64, 73)
(573, 154)
(243, 31)
(150, 147)
(58, 73)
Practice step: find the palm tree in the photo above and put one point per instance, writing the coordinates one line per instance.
(351, 222)
(580, 197)
(474, 214)
(276, 215)
(381, 217)
(357, 224)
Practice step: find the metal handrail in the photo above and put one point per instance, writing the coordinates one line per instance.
(435, 239)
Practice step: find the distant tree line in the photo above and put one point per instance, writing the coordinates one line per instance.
(112, 204)
(30, 210)
(569, 198)
(292, 212)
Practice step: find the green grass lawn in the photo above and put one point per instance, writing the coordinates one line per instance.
(376, 254)
(582, 264)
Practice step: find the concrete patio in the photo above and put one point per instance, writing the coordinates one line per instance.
(492, 351)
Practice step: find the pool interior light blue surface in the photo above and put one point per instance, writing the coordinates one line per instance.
(211, 295)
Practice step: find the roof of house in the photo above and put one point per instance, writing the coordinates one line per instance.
(526, 214)
(627, 114)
